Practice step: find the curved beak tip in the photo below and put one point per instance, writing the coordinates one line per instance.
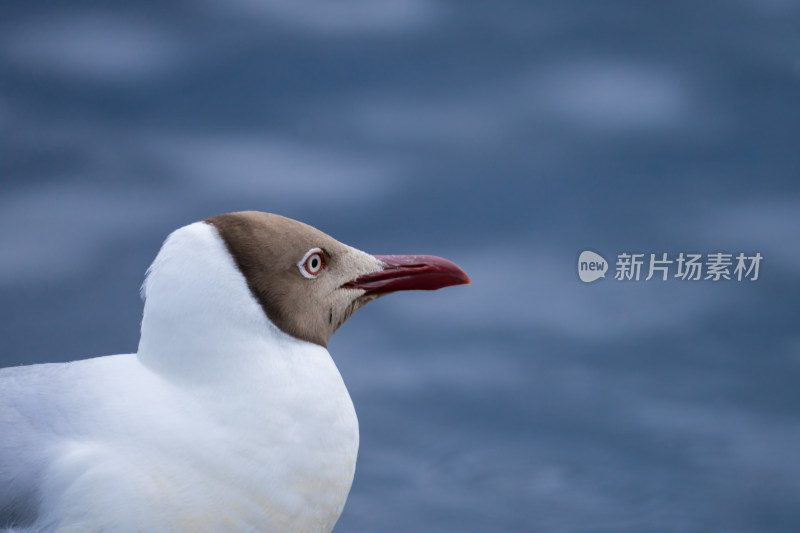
(411, 272)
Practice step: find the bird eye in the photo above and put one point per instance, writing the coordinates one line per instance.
(312, 263)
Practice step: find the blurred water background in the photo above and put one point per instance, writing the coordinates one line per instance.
(507, 136)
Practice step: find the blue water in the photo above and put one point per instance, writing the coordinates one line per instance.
(505, 136)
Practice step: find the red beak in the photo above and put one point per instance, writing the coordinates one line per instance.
(410, 272)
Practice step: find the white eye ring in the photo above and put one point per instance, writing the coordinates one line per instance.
(312, 263)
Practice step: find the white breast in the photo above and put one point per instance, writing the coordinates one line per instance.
(142, 454)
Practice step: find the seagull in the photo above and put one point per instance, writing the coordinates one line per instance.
(231, 416)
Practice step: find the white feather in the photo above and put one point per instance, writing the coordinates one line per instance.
(220, 422)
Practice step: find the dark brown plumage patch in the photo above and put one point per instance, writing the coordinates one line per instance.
(266, 248)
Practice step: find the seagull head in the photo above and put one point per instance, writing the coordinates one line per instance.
(308, 283)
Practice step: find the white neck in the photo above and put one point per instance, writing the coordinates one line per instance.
(205, 332)
(201, 324)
